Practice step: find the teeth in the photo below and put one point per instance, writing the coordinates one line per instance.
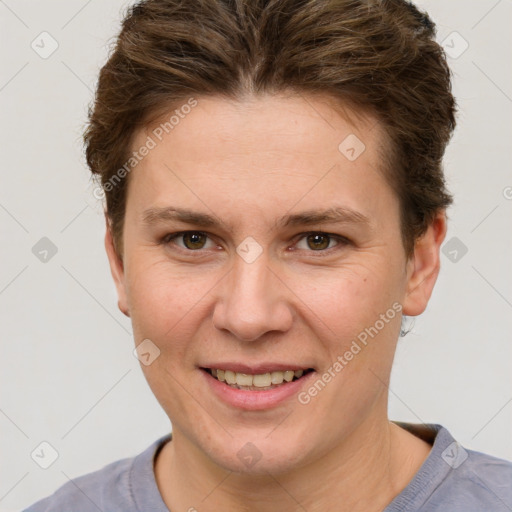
(230, 377)
(288, 375)
(276, 377)
(243, 379)
(264, 380)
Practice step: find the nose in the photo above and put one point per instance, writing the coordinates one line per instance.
(252, 301)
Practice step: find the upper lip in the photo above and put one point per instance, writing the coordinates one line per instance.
(256, 369)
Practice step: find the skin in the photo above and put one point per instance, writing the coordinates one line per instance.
(248, 163)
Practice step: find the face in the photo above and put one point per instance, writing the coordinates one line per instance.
(230, 262)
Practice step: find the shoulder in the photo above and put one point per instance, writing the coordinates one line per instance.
(108, 485)
(478, 478)
(110, 488)
(454, 478)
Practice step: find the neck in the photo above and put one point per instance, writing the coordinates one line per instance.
(364, 473)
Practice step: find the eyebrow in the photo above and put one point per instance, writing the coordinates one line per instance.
(338, 215)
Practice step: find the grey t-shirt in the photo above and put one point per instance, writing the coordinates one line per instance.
(451, 479)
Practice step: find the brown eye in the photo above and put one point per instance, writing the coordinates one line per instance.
(188, 240)
(321, 242)
(318, 241)
(194, 240)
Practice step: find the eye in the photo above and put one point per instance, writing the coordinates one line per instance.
(319, 241)
(192, 240)
(195, 241)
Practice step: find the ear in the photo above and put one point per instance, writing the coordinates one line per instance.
(116, 268)
(423, 267)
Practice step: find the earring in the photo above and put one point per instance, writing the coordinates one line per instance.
(408, 329)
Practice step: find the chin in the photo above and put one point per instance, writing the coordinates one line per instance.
(257, 453)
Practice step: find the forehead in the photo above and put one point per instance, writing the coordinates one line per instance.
(265, 123)
(262, 152)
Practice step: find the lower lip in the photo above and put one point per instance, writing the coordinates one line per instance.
(256, 400)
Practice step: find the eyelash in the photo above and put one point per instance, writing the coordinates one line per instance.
(342, 241)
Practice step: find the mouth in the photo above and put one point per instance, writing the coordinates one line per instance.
(257, 382)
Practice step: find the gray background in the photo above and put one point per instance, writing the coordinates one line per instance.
(68, 375)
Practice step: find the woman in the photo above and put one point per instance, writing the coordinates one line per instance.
(275, 204)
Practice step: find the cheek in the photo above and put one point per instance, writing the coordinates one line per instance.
(164, 308)
(347, 298)
(167, 304)
(158, 299)
(356, 317)
(164, 299)
(355, 313)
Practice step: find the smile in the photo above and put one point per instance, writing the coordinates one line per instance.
(257, 382)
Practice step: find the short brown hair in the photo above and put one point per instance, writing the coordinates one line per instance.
(377, 55)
